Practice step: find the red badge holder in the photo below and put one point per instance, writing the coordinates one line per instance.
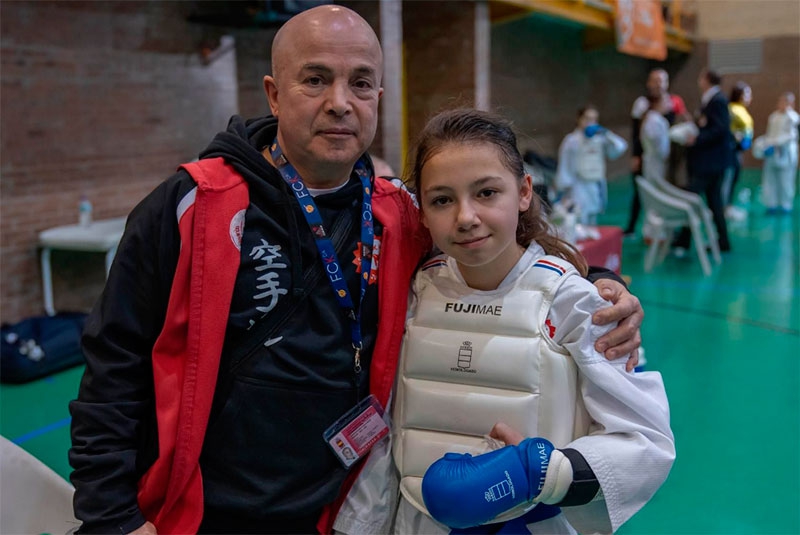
(357, 431)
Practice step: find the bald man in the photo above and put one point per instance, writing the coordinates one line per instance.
(232, 354)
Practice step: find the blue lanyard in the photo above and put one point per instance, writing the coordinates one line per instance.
(326, 251)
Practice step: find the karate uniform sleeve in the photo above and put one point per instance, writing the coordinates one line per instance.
(630, 446)
(615, 146)
(784, 131)
(566, 175)
(638, 110)
(640, 107)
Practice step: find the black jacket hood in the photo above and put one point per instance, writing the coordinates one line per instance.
(241, 145)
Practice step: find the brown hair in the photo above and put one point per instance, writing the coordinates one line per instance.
(470, 126)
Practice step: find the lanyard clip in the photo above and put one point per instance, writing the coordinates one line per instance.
(357, 357)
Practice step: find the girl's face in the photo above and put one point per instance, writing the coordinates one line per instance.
(470, 204)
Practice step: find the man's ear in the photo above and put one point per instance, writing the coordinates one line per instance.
(271, 90)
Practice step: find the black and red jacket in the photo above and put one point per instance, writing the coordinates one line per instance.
(180, 300)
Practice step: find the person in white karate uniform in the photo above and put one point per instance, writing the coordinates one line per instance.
(655, 140)
(778, 147)
(581, 172)
(500, 343)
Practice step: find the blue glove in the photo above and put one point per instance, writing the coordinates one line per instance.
(747, 142)
(593, 129)
(769, 151)
(461, 491)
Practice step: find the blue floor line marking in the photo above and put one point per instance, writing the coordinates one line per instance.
(41, 431)
(732, 319)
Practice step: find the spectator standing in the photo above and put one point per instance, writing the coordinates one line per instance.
(742, 130)
(674, 110)
(780, 157)
(710, 153)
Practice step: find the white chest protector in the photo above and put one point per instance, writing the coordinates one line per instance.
(473, 358)
(591, 164)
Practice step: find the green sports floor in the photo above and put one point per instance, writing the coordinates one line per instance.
(728, 346)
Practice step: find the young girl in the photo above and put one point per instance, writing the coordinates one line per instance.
(581, 169)
(500, 331)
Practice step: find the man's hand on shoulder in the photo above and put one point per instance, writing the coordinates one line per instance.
(626, 310)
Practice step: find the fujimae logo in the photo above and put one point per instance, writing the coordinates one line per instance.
(490, 310)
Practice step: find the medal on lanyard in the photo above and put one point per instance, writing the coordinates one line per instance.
(357, 431)
(326, 251)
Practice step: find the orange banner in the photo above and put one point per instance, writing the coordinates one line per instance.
(640, 28)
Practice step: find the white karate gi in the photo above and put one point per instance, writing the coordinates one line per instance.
(630, 446)
(581, 170)
(655, 145)
(780, 168)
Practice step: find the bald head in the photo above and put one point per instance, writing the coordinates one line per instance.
(321, 24)
(324, 91)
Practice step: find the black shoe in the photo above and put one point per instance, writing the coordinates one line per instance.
(726, 248)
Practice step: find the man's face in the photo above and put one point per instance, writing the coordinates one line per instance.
(702, 82)
(657, 83)
(325, 94)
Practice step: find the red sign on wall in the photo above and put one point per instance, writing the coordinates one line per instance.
(640, 28)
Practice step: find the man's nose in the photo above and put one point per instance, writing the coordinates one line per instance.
(338, 101)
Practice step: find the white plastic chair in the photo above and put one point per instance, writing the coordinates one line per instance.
(33, 498)
(700, 207)
(665, 213)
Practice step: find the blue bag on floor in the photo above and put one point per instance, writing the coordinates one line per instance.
(39, 346)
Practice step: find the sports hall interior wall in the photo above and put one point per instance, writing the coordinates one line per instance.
(104, 99)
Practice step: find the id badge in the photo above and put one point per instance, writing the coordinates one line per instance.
(353, 435)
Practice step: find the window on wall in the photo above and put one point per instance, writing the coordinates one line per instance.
(735, 56)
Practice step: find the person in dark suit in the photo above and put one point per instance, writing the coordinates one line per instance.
(710, 152)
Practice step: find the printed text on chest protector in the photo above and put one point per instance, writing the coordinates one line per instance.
(489, 310)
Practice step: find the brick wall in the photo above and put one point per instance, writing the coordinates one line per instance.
(439, 59)
(744, 19)
(105, 98)
(101, 99)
